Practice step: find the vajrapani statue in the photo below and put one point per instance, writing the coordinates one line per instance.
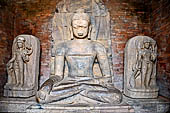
(81, 85)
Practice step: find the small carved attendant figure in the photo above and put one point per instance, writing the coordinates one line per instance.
(15, 66)
(140, 68)
(147, 57)
(80, 85)
(23, 68)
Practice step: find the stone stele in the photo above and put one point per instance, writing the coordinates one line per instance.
(23, 67)
(80, 85)
(140, 68)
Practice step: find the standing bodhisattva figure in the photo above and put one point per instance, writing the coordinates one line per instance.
(15, 66)
(146, 59)
(23, 67)
(140, 68)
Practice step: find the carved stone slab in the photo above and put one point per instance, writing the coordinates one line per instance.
(140, 68)
(100, 21)
(51, 108)
(15, 105)
(23, 68)
(80, 49)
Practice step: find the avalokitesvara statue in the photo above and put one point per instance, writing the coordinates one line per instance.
(80, 85)
(23, 67)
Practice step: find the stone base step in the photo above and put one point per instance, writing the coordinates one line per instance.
(53, 108)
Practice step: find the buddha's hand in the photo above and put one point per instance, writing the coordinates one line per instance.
(41, 96)
(47, 86)
(44, 91)
(104, 81)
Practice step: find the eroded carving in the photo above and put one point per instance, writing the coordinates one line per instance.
(141, 81)
(81, 85)
(23, 67)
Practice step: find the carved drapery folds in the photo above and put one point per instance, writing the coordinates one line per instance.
(23, 67)
(140, 68)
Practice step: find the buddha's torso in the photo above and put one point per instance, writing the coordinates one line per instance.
(80, 57)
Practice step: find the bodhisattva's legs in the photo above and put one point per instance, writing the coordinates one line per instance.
(144, 73)
(16, 69)
(21, 73)
(149, 73)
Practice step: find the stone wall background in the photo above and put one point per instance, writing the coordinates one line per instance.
(128, 19)
(160, 31)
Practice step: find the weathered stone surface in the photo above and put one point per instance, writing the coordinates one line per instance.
(86, 44)
(100, 27)
(23, 68)
(34, 17)
(160, 26)
(51, 108)
(15, 104)
(140, 68)
(159, 105)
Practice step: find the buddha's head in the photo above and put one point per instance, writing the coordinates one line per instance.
(80, 24)
(20, 42)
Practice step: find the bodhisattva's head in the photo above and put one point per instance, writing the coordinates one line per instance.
(80, 24)
(147, 44)
(20, 42)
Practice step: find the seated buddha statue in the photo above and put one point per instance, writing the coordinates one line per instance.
(80, 54)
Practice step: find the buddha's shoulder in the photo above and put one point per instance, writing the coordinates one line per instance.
(60, 48)
(64, 44)
(98, 44)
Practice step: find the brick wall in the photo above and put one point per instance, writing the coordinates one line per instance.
(128, 19)
(6, 29)
(160, 27)
(25, 17)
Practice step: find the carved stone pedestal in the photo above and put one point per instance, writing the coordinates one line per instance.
(17, 93)
(15, 104)
(53, 108)
(23, 67)
(159, 105)
(142, 93)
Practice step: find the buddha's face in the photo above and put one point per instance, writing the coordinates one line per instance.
(80, 28)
